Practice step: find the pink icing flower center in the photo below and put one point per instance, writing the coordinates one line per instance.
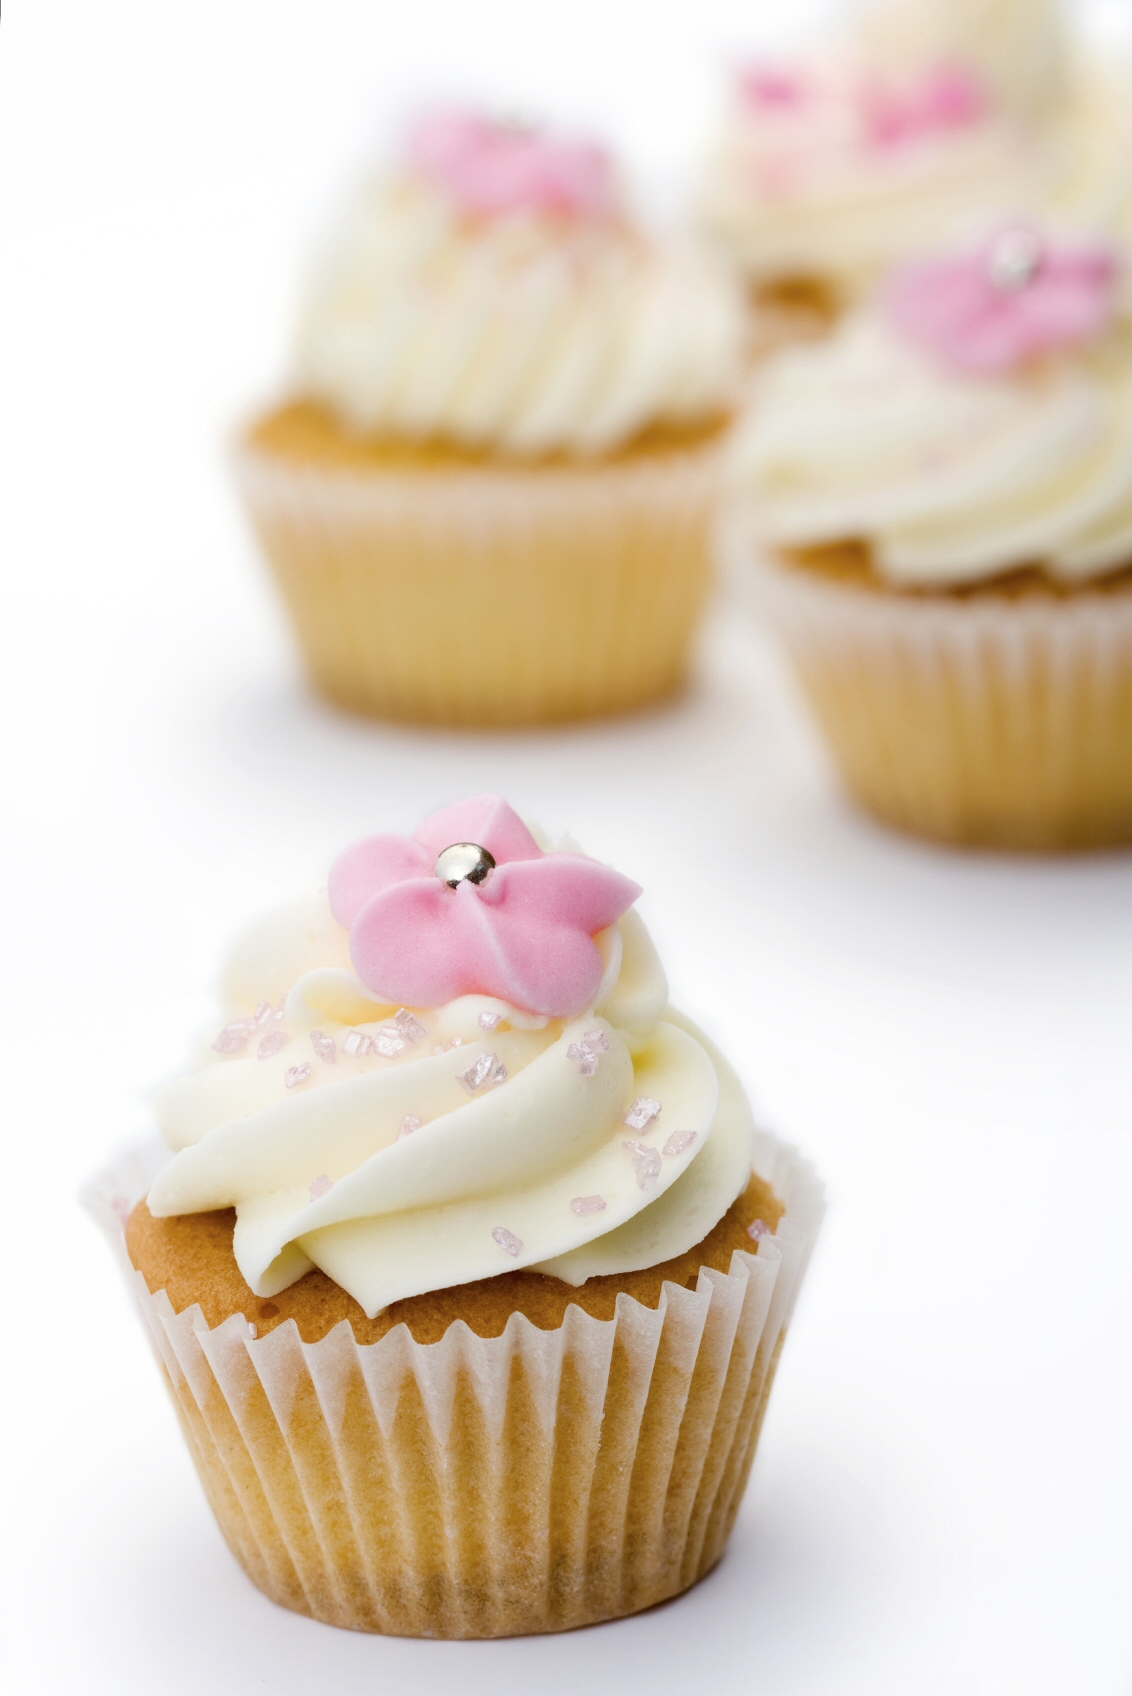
(523, 934)
(1014, 297)
(490, 168)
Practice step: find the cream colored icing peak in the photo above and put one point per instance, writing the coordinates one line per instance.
(798, 191)
(395, 1177)
(950, 478)
(1021, 49)
(523, 333)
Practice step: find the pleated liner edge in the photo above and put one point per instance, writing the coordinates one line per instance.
(483, 1487)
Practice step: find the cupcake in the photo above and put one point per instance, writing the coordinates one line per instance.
(929, 121)
(487, 497)
(935, 511)
(464, 1261)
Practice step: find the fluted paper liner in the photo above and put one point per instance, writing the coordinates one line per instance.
(986, 719)
(490, 595)
(483, 1487)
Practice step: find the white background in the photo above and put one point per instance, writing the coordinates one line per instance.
(943, 1497)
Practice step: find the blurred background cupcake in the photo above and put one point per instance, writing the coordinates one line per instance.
(487, 497)
(935, 511)
(903, 132)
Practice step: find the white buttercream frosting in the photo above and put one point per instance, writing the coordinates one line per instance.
(399, 1172)
(523, 332)
(801, 189)
(1021, 49)
(949, 477)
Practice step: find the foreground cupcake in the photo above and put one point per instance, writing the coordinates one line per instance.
(930, 117)
(937, 515)
(469, 1270)
(488, 499)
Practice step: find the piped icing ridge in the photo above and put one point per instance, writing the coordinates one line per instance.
(404, 1148)
(923, 122)
(492, 291)
(975, 421)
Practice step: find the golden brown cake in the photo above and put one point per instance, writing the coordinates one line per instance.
(441, 584)
(189, 1256)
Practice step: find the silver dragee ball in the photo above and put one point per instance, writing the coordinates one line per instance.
(1015, 259)
(464, 862)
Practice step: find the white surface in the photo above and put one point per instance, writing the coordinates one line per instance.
(943, 1497)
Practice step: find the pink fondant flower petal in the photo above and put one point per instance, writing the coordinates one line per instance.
(945, 97)
(484, 819)
(376, 863)
(425, 945)
(526, 935)
(410, 944)
(549, 968)
(1013, 298)
(489, 168)
(766, 86)
(566, 889)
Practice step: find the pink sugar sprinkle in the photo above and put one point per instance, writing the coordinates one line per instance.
(409, 1027)
(488, 1070)
(272, 1043)
(678, 1142)
(646, 1163)
(758, 1229)
(508, 1240)
(588, 1204)
(297, 1074)
(409, 1124)
(588, 1052)
(320, 1186)
(233, 1039)
(643, 1111)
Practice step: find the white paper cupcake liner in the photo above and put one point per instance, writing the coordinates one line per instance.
(987, 719)
(490, 594)
(483, 1487)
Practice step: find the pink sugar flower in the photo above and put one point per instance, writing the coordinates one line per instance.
(943, 98)
(518, 924)
(1014, 297)
(489, 168)
(769, 87)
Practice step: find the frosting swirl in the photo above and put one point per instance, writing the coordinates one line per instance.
(409, 1149)
(928, 118)
(950, 475)
(493, 293)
